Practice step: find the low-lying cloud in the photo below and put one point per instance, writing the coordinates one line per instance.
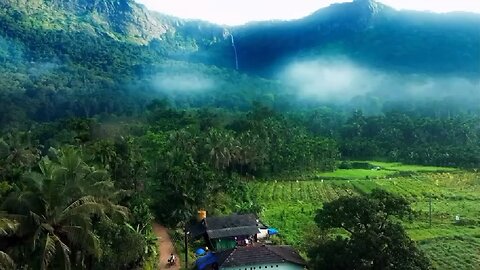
(339, 80)
(193, 82)
(330, 80)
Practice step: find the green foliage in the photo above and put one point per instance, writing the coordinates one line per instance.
(412, 139)
(374, 240)
(453, 252)
(19, 155)
(379, 170)
(6, 262)
(361, 213)
(196, 167)
(58, 208)
(290, 206)
(123, 160)
(122, 247)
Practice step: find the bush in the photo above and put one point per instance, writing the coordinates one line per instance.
(123, 248)
(346, 165)
(362, 165)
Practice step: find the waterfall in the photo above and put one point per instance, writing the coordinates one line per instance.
(235, 51)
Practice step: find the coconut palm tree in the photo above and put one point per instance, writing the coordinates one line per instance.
(7, 227)
(221, 146)
(54, 209)
(252, 152)
(5, 261)
(17, 154)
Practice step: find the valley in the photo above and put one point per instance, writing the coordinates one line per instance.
(353, 132)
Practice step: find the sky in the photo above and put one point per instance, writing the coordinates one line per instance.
(237, 12)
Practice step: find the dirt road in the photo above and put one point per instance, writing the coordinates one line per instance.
(165, 247)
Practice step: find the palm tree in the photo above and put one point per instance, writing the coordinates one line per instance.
(54, 209)
(17, 154)
(220, 146)
(7, 227)
(252, 152)
(5, 261)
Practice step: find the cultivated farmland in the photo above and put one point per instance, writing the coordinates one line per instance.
(453, 194)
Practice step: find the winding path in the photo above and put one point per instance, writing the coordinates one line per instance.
(165, 247)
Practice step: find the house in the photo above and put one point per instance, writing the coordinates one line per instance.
(226, 232)
(263, 234)
(257, 258)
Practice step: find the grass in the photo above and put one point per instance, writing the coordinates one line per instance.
(356, 174)
(459, 253)
(290, 206)
(397, 166)
(385, 170)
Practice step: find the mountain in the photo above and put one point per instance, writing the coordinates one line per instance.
(64, 58)
(79, 58)
(123, 20)
(368, 32)
(364, 30)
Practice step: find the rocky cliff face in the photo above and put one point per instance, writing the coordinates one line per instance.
(122, 16)
(108, 7)
(124, 20)
(120, 19)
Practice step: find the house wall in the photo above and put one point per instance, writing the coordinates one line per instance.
(270, 266)
(263, 234)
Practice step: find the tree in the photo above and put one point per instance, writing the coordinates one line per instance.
(221, 146)
(55, 208)
(375, 240)
(17, 155)
(250, 153)
(7, 227)
(123, 160)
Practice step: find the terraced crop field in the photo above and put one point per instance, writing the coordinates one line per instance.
(290, 206)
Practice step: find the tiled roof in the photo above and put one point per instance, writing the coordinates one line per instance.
(254, 255)
(228, 232)
(226, 226)
(232, 221)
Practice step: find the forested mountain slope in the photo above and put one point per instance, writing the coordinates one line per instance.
(84, 58)
(364, 30)
(371, 33)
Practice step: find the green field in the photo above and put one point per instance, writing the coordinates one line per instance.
(291, 205)
(383, 170)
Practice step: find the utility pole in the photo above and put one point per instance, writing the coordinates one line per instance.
(430, 210)
(186, 246)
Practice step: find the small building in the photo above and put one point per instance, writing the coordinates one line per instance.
(227, 232)
(260, 257)
(263, 234)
